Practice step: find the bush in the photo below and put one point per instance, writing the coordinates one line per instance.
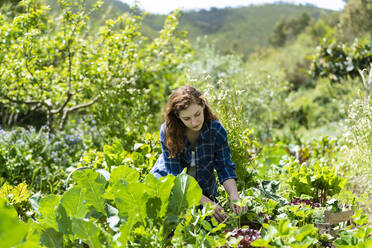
(38, 158)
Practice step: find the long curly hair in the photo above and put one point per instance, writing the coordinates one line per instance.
(175, 130)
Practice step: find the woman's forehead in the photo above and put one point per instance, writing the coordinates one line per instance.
(190, 110)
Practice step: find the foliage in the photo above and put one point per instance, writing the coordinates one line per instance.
(57, 67)
(317, 179)
(359, 236)
(287, 29)
(356, 18)
(208, 60)
(322, 29)
(355, 156)
(141, 157)
(359, 130)
(284, 234)
(339, 61)
(197, 229)
(140, 78)
(246, 235)
(247, 27)
(43, 62)
(302, 214)
(12, 230)
(18, 197)
(37, 158)
(132, 210)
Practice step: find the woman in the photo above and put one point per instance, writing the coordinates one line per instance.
(192, 138)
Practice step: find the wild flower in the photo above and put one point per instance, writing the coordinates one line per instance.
(20, 142)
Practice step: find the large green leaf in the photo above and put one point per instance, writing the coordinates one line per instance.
(93, 187)
(186, 192)
(33, 236)
(303, 232)
(124, 173)
(161, 189)
(63, 220)
(125, 230)
(48, 209)
(12, 231)
(130, 195)
(130, 198)
(51, 238)
(73, 202)
(87, 232)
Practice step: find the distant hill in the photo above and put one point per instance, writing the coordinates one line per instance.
(238, 30)
(241, 29)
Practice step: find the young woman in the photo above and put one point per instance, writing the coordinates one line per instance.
(192, 138)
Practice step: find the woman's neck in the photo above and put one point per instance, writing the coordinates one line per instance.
(192, 135)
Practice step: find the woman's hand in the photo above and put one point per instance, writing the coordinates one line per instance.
(231, 189)
(235, 208)
(218, 211)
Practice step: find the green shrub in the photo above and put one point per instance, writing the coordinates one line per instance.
(37, 158)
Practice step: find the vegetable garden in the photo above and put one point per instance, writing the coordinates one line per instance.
(79, 114)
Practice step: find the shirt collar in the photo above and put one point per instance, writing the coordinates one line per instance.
(204, 132)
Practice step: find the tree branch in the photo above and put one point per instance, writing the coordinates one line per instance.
(27, 102)
(83, 105)
(60, 109)
(72, 109)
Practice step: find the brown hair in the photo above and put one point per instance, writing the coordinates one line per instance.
(179, 100)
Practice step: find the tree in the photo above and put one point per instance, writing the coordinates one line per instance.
(356, 18)
(339, 61)
(288, 29)
(59, 67)
(279, 35)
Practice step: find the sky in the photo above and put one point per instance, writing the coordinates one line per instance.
(166, 6)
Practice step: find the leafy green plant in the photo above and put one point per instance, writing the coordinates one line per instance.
(94, 211)
(339, 61)
(262, 205)
(17, 196)
(284, 234)
(55, 66)
(356, 237)
(12, 230)
(38, 158)
(142, 156)
(199, 229)
(301, 215)
(317, 180)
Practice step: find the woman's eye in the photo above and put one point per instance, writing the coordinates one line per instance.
(197, 114)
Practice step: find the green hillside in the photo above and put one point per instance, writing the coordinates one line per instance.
(245, 27)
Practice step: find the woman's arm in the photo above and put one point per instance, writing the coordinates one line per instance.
(165, 165)
(231, 189)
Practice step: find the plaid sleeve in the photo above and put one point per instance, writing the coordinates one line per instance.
(225, 167)
(165, 165)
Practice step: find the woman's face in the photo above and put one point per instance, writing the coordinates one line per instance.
(192, 117)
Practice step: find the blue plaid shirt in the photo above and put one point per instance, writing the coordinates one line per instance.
(212, 152)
